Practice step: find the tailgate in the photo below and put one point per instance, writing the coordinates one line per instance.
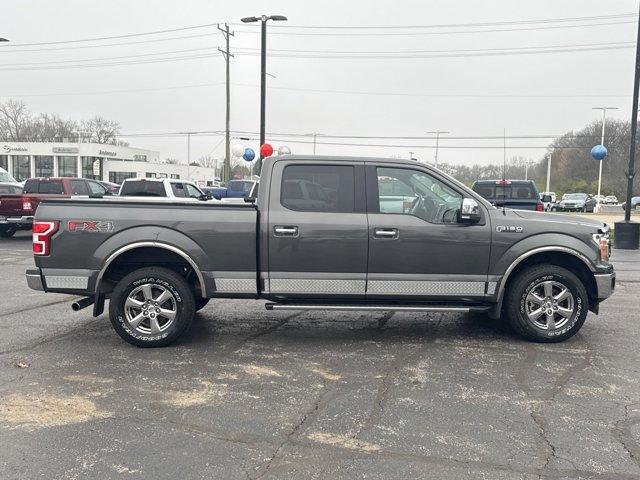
(11, 206)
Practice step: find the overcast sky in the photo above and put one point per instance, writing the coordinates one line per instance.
(526, 94)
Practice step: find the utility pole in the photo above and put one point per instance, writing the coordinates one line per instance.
(226, 169)
(548, 173)
(604, 120)
(188, 155)
(437, 134)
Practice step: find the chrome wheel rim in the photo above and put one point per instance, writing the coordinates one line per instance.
(549, 305)
(150, 309)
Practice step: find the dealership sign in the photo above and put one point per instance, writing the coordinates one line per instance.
(65, 149)
(8, 149)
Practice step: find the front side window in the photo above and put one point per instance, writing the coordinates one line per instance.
(318, 188)
(96, 188)
(413, 192)
(192, 191)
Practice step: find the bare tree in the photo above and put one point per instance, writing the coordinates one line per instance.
(101, 130)
(208, 161)
(14, 120)
(51, 128)
(171, 161)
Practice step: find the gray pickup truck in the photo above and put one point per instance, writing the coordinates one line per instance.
(324, 233)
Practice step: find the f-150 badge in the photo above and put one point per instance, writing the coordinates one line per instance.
(89, 226)
(509, 228)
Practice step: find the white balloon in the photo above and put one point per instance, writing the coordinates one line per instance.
(237, 150)
(284, 150)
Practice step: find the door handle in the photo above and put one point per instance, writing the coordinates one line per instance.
(285, 231)
(385, 232)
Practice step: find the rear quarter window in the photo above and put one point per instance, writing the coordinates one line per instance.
(143, 189)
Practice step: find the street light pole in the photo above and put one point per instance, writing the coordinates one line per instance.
(437, 134)
(263, 73)
(604, 120)
(548, 173)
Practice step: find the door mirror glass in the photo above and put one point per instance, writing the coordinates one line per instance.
(469, 211)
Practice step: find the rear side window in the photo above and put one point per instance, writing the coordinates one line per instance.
(51, 187)
(178, 190)
(318, 188)
(143, 188)
(79, 187)
(10, 189)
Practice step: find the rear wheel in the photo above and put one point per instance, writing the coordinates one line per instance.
(7, 232)
(151, 307)
(546, 303)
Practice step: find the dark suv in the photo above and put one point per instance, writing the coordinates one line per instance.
(516, 194)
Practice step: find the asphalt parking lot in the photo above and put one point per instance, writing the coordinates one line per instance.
(255, 394)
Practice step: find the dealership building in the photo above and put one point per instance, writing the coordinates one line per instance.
(112, 163)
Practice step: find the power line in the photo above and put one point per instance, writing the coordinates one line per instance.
(450, 32)
(325, 91)
(447, 55)
(454, 25)
(111, 37)
(416, 52)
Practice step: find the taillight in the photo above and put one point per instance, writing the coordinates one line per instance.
(42, 232)
(539, 207)
(26, 204)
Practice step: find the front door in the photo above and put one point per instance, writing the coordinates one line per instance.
(317, 230)
(417, 249)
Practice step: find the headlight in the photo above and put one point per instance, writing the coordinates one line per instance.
(602, 241)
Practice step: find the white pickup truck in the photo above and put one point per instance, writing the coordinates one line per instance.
(161, 187)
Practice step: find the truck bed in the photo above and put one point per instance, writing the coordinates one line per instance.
(219, 238)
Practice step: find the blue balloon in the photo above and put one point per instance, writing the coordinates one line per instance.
(249, 154)
(599, 152)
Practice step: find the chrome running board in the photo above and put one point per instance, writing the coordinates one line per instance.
(372, 308)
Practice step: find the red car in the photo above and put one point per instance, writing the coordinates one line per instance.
(17, 210)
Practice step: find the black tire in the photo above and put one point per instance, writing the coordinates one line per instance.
(200, 302)
(517, 304)
(180, 301)
(7, 232)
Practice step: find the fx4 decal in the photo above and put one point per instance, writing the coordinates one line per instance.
(89, 226)
(509, 228)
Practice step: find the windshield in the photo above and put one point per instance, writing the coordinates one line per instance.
(576, 196)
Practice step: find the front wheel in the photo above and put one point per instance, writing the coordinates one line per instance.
(151, 307)
(546, 303)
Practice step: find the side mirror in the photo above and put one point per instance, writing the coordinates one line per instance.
(217, 197)
(546, 199)
(249, 199)
(469, 211)
(204, 197)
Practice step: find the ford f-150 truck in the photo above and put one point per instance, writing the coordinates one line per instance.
(325, 237)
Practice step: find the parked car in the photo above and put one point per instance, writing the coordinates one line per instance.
(16, 211)
(161, 188)
(451, 251)
(10, 196)
(597, 198)
(611, 200)
(111, 187)
(253, 194)
(635, 203)
(575, 202)
(551, 195)
(234, 188)
(517, 194)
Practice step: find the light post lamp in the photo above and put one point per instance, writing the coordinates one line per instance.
(604, 120)
(263, 72)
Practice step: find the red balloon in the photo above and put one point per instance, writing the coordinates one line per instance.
(266, 150)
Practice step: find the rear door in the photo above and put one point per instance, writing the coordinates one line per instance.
(317, 229)
(417, 249)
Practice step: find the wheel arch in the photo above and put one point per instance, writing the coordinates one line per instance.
(154, 245)
(561, 256)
